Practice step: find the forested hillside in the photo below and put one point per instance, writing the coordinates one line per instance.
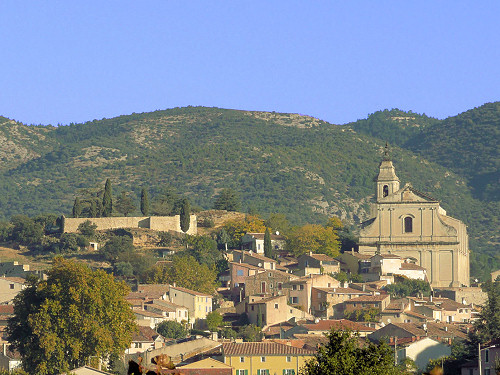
(297, 165)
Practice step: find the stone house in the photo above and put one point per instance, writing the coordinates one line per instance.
(421, 350)
(378, 301)
(441, 309)
(439, 331)
(318, 264)
(353, 262)
(169, 310)
(253, 258)
(299, 291)
(10, 287)
(145, 338)
(399, 311)
(271, 310)
(238, 273)
(386, 266)
(255, 242)
(145, 318)
(269, 282)
(198, 304)
(249, 358)
(329, 302)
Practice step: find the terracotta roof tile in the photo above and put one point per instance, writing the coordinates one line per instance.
(145, 334)
(262, 348)
(6, 309)
(189, 291)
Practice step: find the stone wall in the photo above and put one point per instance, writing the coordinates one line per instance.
(160, 223)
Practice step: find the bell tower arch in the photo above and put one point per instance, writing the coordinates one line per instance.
(387, 181)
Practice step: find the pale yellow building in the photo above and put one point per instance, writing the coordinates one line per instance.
(198, 304)
(265, 358)
(411, 224)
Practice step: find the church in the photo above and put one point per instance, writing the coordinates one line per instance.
(413, 225)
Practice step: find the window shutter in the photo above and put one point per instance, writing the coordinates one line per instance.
(284, 372)
(246, 372)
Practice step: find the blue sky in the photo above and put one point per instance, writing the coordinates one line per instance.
(73, 61)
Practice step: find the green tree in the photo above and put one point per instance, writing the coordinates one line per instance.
(77, 208)
(214, 321)
(87, 229)
(408, 287)
(488, 323)
(186, 272)
(117, 246)
(145, 202)
(223, 239)
(123, 269)
(125, 204)
(172, 329)
(94, 210)
(250, 333)
(166, 203)
(204, 249)
(5, 230)
(185, 215)
(75, 314)
(107, 199)
(228, 200)
(342, 355)
(268, 246)
(278, 223)
(315, 238)
(26, 231)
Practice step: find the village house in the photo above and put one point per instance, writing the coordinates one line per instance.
(10, 287)
(198, 304)
(352, 261)
(207, 366)
(255, 259)
(387, 266)
(421, 350)
(145, 338)
(399, 311)
(377, 301)
(145, 318)
(441, 309)
(299, 291)
(321, 327)
(490, 357)
(255, 242)
(316, 264)
(249, 358)
(328, 302)
(271, 310)
(269, 282)
(169, 310)
(239, 272)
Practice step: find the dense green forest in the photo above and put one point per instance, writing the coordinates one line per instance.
(297, 165)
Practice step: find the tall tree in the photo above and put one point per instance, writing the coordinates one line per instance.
(268, 246)
(342, 355)
(185, 215)
(77, 208)
(228, 200)
(125, 204)
(488, 323)
(145, 202)
(75, 314)
(107, 199)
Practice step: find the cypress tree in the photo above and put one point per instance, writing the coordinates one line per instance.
(268, 246)
(93, 211)
(77, 208)
(185, 215)
(107, 200)
(144, 202)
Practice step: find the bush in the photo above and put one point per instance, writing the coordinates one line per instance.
(206, 223)
(87, 229)
(172, 330)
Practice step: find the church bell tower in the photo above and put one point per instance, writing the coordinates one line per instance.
(387, 181)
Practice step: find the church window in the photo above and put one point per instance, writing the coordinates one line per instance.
(385, 191)
(408, 224)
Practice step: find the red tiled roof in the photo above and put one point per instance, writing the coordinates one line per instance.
(262, 348)
(145, 334)
(322, 257)
(14, 279)
(342, 290)
(6, 309)
(148, 314)
(342, 324)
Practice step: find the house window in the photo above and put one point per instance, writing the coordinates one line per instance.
(276, 305)
(294, 300)
(263, 287)
(262, 359)
(408, 224)
(242, 359)
(294, 287)
(289, 372)
(241, 372)
(270, 274)
(289, 359)
(487, 371)
(11, 286)
(319, 294)
(263, 372)
(301, 287)
(252, 307)
(280, 286)
(486, 355)
(385, 191)
(239, 273)
(138, 345)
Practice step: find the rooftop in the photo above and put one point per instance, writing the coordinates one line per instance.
(189, 291)
(262, 348)
(371, 298)
(342, 324)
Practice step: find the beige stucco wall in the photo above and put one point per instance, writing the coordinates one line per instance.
(424, 350)
(160, 223)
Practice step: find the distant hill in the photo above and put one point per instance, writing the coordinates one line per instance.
(303, 167)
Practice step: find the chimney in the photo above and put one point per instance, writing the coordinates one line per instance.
(364, 287)
(445, 328)
(5, 349)
(310, 253)
(174, 284)
(431, 297)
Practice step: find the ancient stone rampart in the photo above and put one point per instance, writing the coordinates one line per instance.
(160, 223)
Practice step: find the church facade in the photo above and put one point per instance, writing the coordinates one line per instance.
(411, 224)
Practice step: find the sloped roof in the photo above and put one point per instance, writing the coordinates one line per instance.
(342, 290)
(371, 298)
(6, 309)
(14, 279)
(145, 334)
(189, 291)
(262, 348)
(342, 324)
(205, 364)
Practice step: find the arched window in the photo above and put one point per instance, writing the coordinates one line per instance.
(385, 191)
(408, 224)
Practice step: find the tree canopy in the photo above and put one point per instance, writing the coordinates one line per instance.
(315, 238)
(342, 355)
(75, 314)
